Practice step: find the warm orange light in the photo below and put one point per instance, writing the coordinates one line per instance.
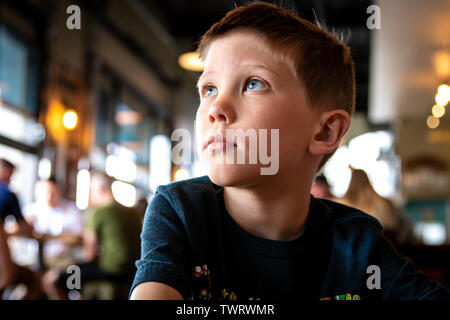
(438, 111)
(441, 99)
(53, 119)
(443, 95)
(191, 61)
(441, 62)
(432, 122)
(444, 88)
(181, 174)
(70, 120)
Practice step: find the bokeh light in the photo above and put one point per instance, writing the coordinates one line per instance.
(70, 120)
(432, 122)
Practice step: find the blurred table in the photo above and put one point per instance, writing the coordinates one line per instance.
(24, 251)
(29, 252)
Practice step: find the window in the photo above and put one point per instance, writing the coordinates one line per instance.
(18, 71)
(19, 130)
(126, 122)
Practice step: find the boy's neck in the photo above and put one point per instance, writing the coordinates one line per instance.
(276, 211)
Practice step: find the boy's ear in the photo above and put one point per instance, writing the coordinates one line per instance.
(331, 127)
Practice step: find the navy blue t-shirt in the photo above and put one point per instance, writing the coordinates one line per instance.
(190, 242)
(9, 205)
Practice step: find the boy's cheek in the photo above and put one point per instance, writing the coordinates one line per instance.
(199, 122)
(198, 113)
(202, 114)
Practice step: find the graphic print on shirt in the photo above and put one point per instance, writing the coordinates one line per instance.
(347, 296)
(203, 289)
(202, 285)
(202, 282)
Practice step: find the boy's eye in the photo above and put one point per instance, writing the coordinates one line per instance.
(255, 84)
(210, 91)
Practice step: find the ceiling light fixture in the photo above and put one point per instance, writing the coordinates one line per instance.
(191, 61)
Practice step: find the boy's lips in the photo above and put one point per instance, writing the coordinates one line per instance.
(218, 142)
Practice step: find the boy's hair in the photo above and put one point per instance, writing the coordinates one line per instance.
(6, 164)
(320, 61)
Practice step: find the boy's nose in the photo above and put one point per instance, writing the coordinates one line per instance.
(217, 116)
(220, 111)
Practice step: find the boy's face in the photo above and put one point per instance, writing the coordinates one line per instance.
(244, 86)
(5, 174)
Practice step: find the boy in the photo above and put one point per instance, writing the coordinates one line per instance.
(238, 234)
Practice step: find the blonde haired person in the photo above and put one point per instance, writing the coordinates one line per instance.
(361, 195)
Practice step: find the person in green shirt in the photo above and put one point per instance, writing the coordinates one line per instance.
(111, 241)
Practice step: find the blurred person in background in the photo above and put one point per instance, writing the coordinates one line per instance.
(7, 268)
(19, 282)
(13, 276)
(321, 188)
(58, 222)
(111, 241)
(361, 195)
(9, 205)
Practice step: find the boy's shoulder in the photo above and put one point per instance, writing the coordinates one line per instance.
(203, 187)
(192, 195)
(203, 180)
(349, 218)
(192, 187)
(343, 213)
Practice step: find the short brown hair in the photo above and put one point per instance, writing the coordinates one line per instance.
(320, 61)
(6, 164)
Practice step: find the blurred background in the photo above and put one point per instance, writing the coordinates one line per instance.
(107, 97)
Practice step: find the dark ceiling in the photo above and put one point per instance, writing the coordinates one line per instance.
(187, 20)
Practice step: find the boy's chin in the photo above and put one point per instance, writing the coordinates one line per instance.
(234, 175)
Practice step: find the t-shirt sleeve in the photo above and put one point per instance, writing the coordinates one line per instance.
(93, 220)
(401, 281)
(165, 253)
(13, 208)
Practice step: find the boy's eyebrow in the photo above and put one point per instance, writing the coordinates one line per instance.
(202, 76)
(261, 66)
